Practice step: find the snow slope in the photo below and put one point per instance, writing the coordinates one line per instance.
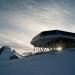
(6, 54)
(62, 63)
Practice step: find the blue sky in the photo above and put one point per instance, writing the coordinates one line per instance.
(21, 20)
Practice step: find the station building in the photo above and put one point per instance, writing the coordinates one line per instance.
(54, 40)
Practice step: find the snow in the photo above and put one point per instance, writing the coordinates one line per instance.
(60, 63)
(6, 54)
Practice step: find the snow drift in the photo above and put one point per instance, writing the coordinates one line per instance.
(62, 63)
(5, 53)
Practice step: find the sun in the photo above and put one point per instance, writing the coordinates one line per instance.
(59, 48)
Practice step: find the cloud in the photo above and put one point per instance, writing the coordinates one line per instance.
(21, 20)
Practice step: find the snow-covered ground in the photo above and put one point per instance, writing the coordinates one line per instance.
(6, 53)
(62, 63)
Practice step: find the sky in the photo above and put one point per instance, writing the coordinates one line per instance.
(21, 20)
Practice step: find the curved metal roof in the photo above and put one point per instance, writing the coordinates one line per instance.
(47, 36)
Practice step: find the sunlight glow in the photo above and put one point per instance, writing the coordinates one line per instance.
(59, 48)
